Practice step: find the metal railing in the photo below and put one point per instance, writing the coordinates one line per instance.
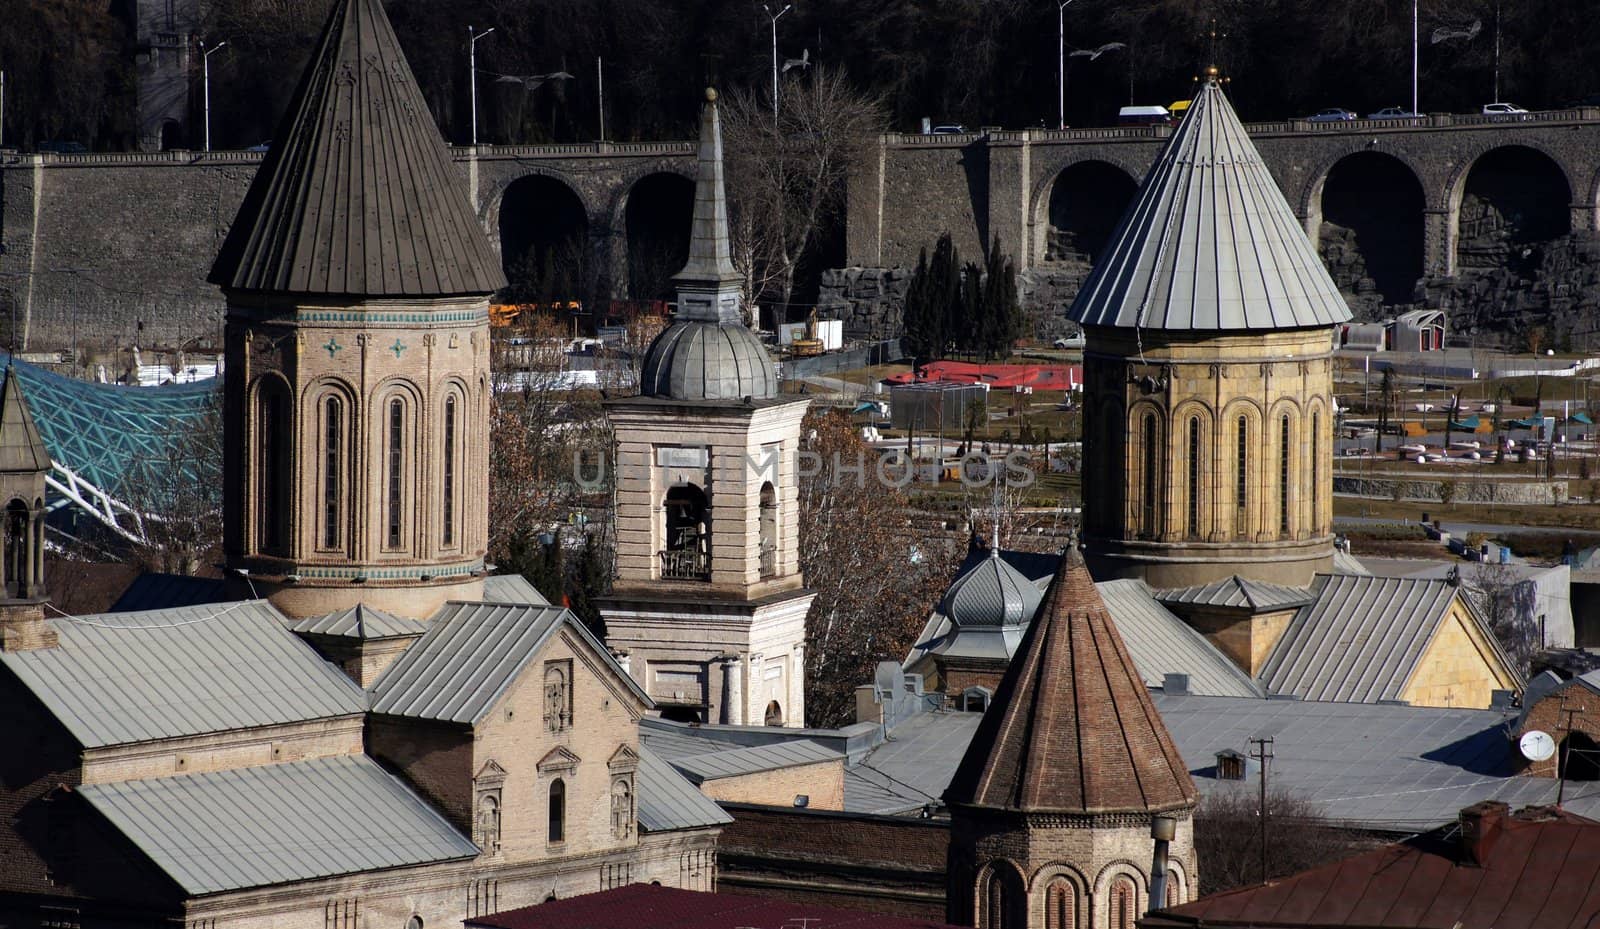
(685, 564)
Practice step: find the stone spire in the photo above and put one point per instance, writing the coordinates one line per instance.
(1072, 728)
(708, 285)
(21, 449)
(1209, 243)
(358, 196)
(24, 463)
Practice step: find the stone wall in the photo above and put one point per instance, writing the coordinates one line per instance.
(1524, 493)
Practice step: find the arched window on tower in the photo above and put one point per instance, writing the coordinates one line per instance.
(1194, 477)
(1241, 495)
(558, 811)
(1173, 893)
(489, 824)
(1061, 905)
(1316, 472)
(1283, 479)
(687, 556)
(448, 531)
(1124, 904)
(332, 466)
(769, 530)
(394, 500)
(20, 554)
(1151, 484)
(1004, 900)
(273, 441)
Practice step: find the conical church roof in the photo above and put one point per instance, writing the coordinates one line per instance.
(358, 196)
(1209, 243)
(21, 449)
(1072, 728)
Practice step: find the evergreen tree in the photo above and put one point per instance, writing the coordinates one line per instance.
(591, 580)
(933, 307)
(972, 318)
(1002, 311)
(914, 315)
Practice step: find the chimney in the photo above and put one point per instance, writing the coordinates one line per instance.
(23, 627)
(1480, 827)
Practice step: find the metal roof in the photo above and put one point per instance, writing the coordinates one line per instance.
(1346, 563)
(275, 824)
(470, 655)
(1236, 591)
(697, 360)
(667, 801)
(117, 678)
(358, 195)
(21, 449)
(710, 263)
(512, 588)
(157, 591)
(1209, 242)
(991, 593)
(648, 906)
(734, 762)
(360, 622)
(1361, 639)
(1163, 644)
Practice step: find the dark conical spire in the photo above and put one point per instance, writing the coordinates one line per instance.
(708, 285)
(1072, 728)
(358, 196)
(21, 449)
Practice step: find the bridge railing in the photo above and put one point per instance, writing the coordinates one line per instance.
(567, 150)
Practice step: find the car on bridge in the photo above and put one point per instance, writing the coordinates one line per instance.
(1393, 112)
(1505, 110)
(1332, 114)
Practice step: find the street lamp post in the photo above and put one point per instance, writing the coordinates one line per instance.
(775, 18)
(472, 65)
(1414, 109)
(205, 80)
(1061, 63)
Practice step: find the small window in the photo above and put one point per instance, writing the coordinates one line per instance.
(558, 811)
(1283, 480)
(1316, 472)
(332, 450)
(449, 531)
(621, 808)
(1124, 904)
(396, 484)
(1150, 479)
(1230, 765)
(415, 922)
(1061, 905)
(975, 699)
(1194, 477)
(1241, 498)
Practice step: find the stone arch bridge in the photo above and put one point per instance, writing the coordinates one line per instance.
(1401, 209)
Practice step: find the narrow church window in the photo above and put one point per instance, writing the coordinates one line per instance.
(621, 808)
(1283, 480)
(1123, 905)
(687, 556)
(449, 471)
(1004, 901)
(18, 571)
(1241, 480)
(330, 473)
(272, 491)
(1149, 501)
(558, 811)
(1061, 906)
(1194, 477)
(1172, 891)
(769, 530)
(1316, 471)
(397, 412)
(489, 824)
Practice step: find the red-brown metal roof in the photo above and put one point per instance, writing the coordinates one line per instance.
(648, 906)
(1541, 870)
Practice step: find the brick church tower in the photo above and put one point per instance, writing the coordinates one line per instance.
(24, 463)
(1069, 777)
(709, 606)
(357, 381)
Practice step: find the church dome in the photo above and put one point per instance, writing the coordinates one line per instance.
(704, 360)
(991, 594)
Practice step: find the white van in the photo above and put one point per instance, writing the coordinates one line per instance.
(1144, 116)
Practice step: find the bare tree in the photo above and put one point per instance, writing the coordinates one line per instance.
(786, 175)
(177, 493)
(1227, 837)
(1507, 603)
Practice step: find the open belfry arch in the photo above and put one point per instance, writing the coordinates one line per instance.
(1208, 370)
(708, 610)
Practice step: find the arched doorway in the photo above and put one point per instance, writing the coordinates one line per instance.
(659, 214)
(1372, 228)
(544, 242)
(1513, 201)
(1087, 201)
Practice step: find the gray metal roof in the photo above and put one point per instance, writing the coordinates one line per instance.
(1346, 563)
(21, 449)
(1236, 591)
(117, 678)
(1163, 644)
(358, 195)
(991, 593)
(275, 824)
(696, 360)
(1397, 768)
(734, 761)
(710, 264)
(472, 653)
(1209, 242)
(154, 591)
(512, 588)
(667, 801)
(1361, 639)
(360, 622)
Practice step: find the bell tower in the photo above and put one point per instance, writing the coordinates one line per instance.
(709, 606)
(24, 462)
(357, 379)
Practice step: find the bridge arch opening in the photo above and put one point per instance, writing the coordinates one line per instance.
(544, 241)
(1086, 201)
(1514, 201)
(1371, 237)
(657, 219)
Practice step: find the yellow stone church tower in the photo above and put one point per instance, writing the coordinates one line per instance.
(1208, 373)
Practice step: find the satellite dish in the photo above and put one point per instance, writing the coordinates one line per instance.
(1537, 745)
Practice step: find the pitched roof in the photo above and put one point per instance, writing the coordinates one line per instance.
(358, 196)
(273, 824)
(1361, 638)
(21, 449)
(648, 906)
(1163, 644)
(471, 654)
(117, 678)
(1236, 591)
(512, 588)
(667, 801)
(1539, 872)
(1209, 242)
(733, 761)
(360, 622)
(1072, 727)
